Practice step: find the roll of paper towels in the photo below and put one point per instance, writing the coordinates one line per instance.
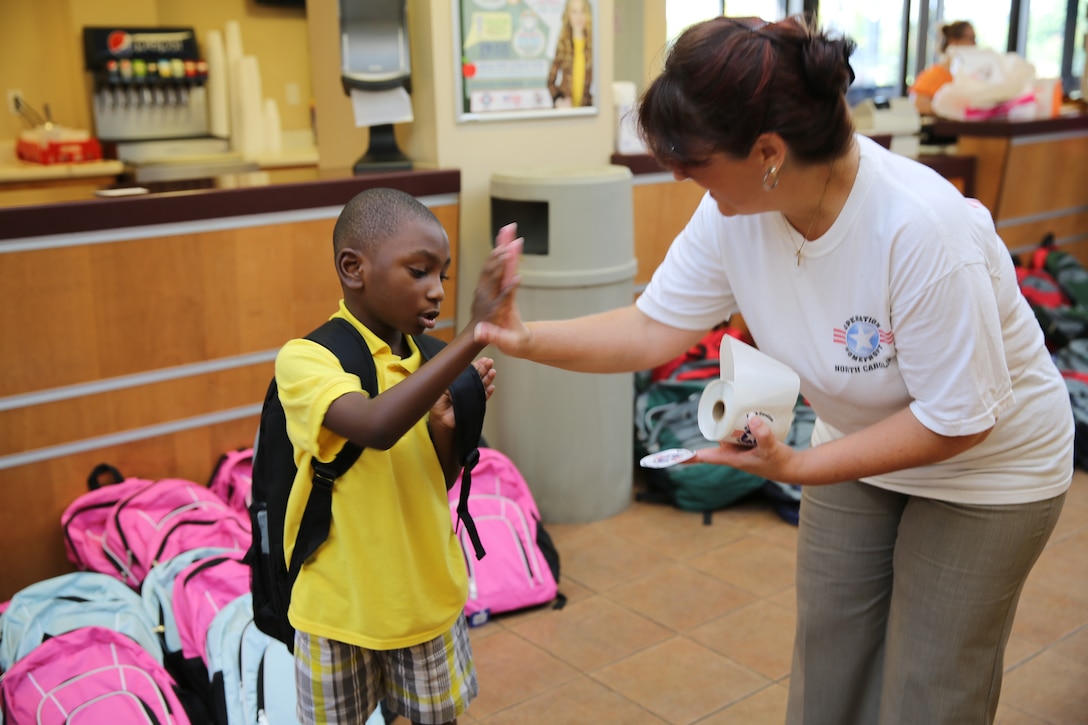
(628, 141)
(752, 383)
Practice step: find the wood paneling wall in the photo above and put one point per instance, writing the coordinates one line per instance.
(125, 314)
(1035, 185)
(662, 209)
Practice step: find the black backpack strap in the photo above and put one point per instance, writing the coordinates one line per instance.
(94, 480)
(344, 341)
(469, 405)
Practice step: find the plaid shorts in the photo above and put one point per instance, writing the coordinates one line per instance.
(432, 683)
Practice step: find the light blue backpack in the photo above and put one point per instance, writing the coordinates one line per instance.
(257, 670)
(67, 602)
(157, 593)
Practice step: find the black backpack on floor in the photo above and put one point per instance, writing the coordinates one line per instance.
(274, 474)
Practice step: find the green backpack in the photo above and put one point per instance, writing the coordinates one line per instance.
(667, 416)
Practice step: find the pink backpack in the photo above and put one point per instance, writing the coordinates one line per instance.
(232, 478)
(521, 566)
(89, 676)
(160, 520)
(200, 591)
(83, 522)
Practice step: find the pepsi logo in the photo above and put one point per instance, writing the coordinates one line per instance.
(119, 42)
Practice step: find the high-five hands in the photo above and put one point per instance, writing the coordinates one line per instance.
(498, 279)
(506, 330)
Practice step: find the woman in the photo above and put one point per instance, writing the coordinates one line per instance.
(943, 445)
(930, 80)
(572, 69)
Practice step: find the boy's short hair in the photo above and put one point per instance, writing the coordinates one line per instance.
(374, 215)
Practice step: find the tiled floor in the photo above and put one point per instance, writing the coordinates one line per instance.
(671, 621)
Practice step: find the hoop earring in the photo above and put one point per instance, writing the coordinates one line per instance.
(770, 179)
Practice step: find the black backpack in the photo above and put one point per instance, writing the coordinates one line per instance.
(274, 474)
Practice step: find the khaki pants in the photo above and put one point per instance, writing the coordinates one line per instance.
(904, 605)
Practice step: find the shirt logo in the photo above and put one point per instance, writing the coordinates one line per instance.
(863, 340)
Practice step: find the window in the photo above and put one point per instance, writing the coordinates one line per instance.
(679, 14)
(877, 26)
(1078, 61)
(989, 19)
(1045, 36)
(897, 38)
(767, 9)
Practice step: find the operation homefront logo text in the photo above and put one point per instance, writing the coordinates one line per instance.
(863, 340)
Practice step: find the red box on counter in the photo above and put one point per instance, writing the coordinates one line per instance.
(59, 152)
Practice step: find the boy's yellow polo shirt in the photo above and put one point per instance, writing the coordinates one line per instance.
(392, 573)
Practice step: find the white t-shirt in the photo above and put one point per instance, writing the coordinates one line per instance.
(910, 298)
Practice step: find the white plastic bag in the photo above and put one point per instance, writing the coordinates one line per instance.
(986, 84)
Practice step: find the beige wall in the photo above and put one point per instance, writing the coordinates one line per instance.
(276, 36)
(41, 50)
(481, 148)
(437, 139)
(301, 48)
(654, 36)
(640, 40)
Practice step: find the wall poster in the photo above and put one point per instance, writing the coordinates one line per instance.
(525, 58)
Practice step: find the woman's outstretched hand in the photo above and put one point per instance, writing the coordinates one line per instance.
(769, 458)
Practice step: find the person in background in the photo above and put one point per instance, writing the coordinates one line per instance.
(929, 81)
(379, 609)
(572, 69)
(942, 449)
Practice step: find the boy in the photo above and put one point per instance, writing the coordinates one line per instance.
(378, 610)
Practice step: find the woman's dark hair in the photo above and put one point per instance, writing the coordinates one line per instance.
(728, 80)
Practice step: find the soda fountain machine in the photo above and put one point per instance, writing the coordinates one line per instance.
(150, 104)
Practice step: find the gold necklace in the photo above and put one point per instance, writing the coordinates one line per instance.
(819, 206)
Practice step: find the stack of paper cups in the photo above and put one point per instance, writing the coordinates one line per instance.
(273, 133)
(751, 383)
(251, 108)
(232, 49)
(218, 96)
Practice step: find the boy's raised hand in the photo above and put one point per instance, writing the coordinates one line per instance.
(493, 297)
(507, 236)
(505, 329)
(485, 366)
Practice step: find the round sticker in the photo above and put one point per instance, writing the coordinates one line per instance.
(666, 458)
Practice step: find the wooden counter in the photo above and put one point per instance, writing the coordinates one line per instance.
(74, 209)
(16, 171)
(1032, 175)
(141, 331)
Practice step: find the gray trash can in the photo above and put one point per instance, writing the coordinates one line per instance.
(569, 433)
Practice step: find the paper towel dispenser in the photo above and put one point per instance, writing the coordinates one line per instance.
(374, 44)
(374, 59)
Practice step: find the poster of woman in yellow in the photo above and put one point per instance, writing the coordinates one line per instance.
(572, 66)
(525, 58)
